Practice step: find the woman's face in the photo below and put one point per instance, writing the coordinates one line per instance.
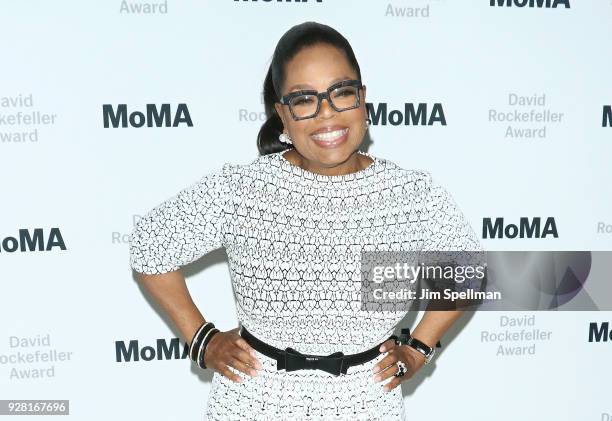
(317, 67)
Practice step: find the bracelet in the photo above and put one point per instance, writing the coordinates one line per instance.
(204, 345)
(198, 337)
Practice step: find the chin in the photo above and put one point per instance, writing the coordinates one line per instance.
(333, 156)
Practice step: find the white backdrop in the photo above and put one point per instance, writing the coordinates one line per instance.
(62, 61)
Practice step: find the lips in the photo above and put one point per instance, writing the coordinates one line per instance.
(328, 129)
(329, 134)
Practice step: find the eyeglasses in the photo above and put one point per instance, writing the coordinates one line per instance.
(342, 96)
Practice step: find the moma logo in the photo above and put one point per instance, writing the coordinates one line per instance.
(600, 333)
(606, 120)
(153, 116)
(164, 350)
(526, 228)
(421, 114)
(34, 240)
(531, 3)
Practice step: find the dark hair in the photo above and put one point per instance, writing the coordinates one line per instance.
(293, 41)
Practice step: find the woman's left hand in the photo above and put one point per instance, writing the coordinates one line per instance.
(387, 367)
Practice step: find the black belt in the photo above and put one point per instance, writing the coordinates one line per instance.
(291, 360)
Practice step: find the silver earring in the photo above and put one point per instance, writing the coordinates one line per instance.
(285, 138)
(368, 122)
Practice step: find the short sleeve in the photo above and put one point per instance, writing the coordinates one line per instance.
(181, 229)
(445, 227)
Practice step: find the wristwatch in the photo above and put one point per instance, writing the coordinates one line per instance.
(421, 347)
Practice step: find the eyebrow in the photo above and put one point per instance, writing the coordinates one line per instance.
(306, 86)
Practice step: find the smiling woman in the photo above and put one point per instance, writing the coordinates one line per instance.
(294, 223)
(314, 95)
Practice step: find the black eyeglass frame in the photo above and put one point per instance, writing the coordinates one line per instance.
(286, 99)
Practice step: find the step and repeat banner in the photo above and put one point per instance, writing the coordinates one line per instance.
(506, 102)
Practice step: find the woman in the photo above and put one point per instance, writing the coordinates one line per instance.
(294, 222)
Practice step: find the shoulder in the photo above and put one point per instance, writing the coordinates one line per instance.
(412, 179)
(420, 184)
(235, 178)
(425, 188)
(255, 168)
(229, 170)
(214, 183)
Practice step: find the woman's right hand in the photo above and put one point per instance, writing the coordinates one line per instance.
(229, 349)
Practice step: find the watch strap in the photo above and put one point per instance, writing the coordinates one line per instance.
(427, 351)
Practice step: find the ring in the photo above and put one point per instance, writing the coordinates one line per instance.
(401, 369)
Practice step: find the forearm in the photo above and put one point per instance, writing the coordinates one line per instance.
(434, 324)
(170, 291)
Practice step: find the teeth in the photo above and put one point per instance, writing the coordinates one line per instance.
(330, 135)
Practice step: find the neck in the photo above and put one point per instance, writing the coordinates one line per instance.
(355, 162)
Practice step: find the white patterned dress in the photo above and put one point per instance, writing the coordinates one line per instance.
(293, 240)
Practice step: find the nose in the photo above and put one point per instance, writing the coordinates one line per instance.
(326, 109)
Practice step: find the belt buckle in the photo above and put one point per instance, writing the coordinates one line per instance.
(295, 360)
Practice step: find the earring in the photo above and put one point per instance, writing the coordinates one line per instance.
(368, 122)
(285, 138)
